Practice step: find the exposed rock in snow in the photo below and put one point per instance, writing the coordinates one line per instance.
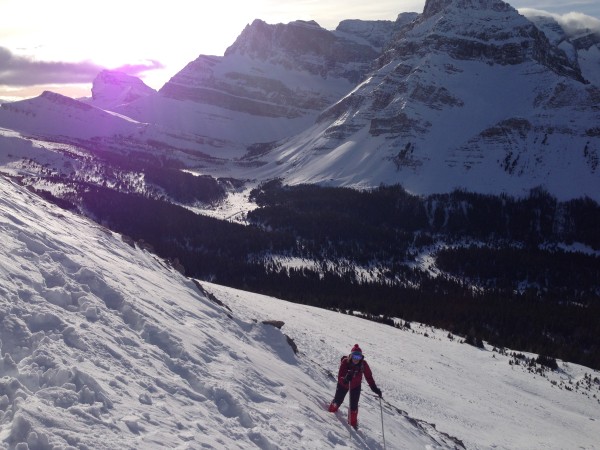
(580, 43)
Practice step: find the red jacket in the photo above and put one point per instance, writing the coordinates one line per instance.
(357, 371)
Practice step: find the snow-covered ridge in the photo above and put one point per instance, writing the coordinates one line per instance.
(54, 114)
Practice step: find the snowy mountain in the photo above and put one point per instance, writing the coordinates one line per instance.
(470, 95)
(104, 345)
(580, 44)
(112, 89)
(270, 84)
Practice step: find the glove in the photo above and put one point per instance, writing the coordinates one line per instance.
(376, 390)
(347, 378)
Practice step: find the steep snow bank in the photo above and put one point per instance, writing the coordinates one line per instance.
(105, 346)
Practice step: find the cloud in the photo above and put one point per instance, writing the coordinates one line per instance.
(572, 23)
(22, 71)
(137, 69)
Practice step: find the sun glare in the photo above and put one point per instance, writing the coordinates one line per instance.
(117, 33)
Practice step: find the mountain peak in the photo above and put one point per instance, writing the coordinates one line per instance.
(259, 39)
(433, 7)
(481, 30)
(111, 88)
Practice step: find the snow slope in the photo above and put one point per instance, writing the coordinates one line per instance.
(473, 395)
(106, 346)
(56, 118)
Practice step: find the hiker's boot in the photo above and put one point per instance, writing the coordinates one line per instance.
(354, 419)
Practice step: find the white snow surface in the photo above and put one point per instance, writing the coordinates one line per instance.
(105, 346)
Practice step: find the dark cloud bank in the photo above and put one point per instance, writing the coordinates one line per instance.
(21, 71)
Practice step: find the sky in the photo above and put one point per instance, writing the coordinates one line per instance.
(66, 43)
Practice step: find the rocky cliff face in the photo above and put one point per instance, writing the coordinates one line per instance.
(305, 46)
(480, 30)
(276, 71)
(433, 7)
(249, 93)
(579, 43)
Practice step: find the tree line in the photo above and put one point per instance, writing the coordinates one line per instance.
(503, 276)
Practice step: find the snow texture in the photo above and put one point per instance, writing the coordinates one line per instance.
(105, 346)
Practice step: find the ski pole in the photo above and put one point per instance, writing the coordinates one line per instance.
(349, 413)
(382, 429)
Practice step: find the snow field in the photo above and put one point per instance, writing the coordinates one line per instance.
(105, 346)
(97, 352)
(469, 395)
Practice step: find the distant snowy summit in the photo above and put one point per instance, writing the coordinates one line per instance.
(112, 89)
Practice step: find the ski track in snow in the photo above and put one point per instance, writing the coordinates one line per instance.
(105, 346)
